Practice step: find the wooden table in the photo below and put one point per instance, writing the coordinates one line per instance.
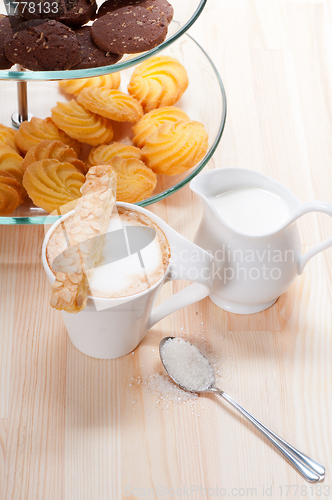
(77, 428)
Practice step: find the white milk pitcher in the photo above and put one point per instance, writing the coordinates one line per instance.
(249, 226)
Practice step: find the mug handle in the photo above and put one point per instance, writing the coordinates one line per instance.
(313, 206)
(182, 268)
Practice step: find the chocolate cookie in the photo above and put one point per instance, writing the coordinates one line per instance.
(78, 12)
(112, 5)
(5, 30)
(91, 55)
(130, 29)
(43, 46)
(73, 13)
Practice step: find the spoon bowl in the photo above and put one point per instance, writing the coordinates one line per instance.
(193, 360)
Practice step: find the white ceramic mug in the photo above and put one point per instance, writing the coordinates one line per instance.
(251, 272)
(121, 324)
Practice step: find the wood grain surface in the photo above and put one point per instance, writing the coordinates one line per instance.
(77, 428)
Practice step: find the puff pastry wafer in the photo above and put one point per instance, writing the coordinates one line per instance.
(91, 217)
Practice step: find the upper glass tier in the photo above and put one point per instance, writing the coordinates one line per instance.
(185, 14)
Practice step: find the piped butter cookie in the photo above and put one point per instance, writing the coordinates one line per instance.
(111, 81)
(159, 81)
(102, 155)
(57, 150)
(175, 147)
(7, 137)
(81, 124)
(153, 120)
(11, 194)
(36, 130)
(111, 104)
(136, 181)
(11, 162)
(51, 183)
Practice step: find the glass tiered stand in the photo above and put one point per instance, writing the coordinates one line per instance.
(36, 92)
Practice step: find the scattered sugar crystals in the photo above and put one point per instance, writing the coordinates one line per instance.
(167, 393)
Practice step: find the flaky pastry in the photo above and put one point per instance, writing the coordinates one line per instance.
(85, 232)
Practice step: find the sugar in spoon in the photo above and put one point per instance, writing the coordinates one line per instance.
(191, 371)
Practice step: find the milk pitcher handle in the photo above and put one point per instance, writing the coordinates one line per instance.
(313, 206)
(188, 262)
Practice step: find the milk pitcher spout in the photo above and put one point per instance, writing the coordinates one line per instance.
(249, 226)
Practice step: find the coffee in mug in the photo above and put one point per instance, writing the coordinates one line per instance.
(126, 273)
(111, 327)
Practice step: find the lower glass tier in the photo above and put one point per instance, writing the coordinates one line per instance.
(204, 101)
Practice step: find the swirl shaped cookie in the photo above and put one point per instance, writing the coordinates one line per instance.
(102, 155)
(74, 87)
(153, 120)
(7, 137)
(175, 147)
(111, 104)
(81, 124)
(57, 150)
(136, 181)
(51, 183)
(36, 130)
(159, 81)
(11, 194)
(11, 163)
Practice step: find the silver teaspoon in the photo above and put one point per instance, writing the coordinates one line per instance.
(191, 371)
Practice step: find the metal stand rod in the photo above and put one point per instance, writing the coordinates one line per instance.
(22, 97)
(22, 101)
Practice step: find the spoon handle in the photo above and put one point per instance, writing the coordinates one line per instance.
(309, 469)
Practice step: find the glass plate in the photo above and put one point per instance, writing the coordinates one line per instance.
(204, 101)
(186, 13)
